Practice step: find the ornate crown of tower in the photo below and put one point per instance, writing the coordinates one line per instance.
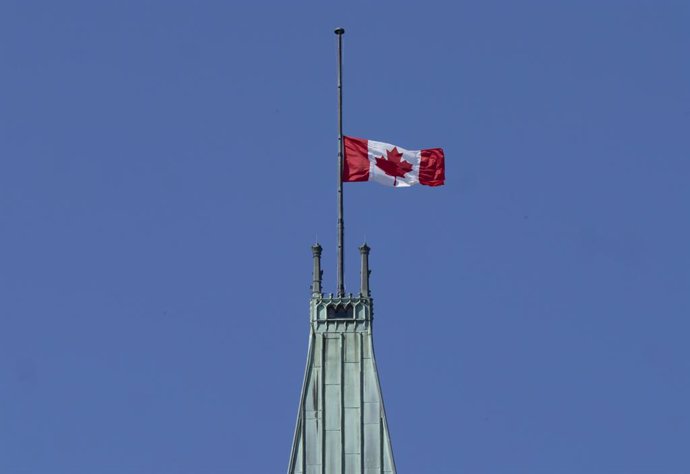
(341, 422)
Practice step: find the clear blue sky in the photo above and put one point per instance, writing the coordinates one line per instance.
(165, 166)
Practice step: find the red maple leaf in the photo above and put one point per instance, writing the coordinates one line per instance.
(394, 166)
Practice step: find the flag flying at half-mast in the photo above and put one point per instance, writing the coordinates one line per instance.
(391, 165)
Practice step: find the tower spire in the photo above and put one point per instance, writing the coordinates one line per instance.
(341, 420)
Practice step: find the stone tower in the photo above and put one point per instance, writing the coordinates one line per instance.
(341, 422)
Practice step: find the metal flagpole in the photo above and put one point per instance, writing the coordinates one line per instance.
(341, 231)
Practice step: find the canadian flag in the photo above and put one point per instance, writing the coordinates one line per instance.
(367, 160)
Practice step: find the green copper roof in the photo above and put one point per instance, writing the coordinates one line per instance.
(341, 422)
